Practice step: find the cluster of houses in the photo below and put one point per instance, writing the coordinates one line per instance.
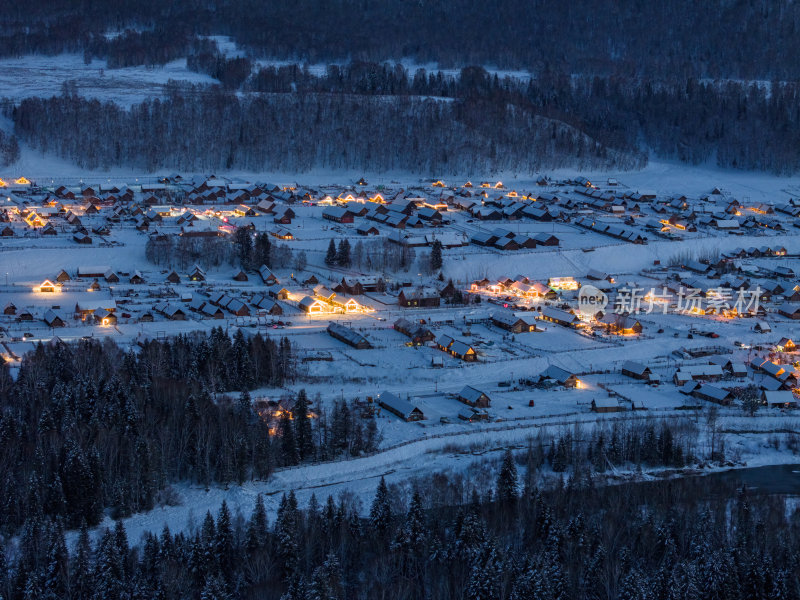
(475, 400)
(503, 239)
(520, 286)
(615, 231)
(717, 377)
(326, 301)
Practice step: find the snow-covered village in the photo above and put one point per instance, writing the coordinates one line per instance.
(308, 301)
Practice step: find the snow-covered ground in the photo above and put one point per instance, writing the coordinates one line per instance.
(43, 76)
(462, 452)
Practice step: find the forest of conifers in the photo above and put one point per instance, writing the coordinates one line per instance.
(87, 430)
(611, 85)
(487, 533)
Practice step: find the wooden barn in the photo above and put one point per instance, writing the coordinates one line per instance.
(512, 323)
(348, 336)
(399, 407)
(636, 370)
(420, 297)
(473, 397)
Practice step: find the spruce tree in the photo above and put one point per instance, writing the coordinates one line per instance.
(288, 440)
(80, 564)
(412, 536)
(223, 543)
(485, 575)
(263, 250)
(109, 584)
(343, 254)
(380, 513)
(214, 589)
(507, 488)
(296, 590)
(56, 579)
(436, 256)
(303, 434)
(244, 247)
(330, 256)
(122, 550)
(286, 533)
(257, 527)
(326, 580)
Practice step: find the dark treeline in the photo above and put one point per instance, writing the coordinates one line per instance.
(445, 537)
(251, 251)
(87, 427)
(199, 130)
(230, 72)
(379, 117)
(738, 125)
(148, 47)
(9, 149)
(738, 39)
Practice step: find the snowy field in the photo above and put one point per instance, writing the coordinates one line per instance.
(43, 76)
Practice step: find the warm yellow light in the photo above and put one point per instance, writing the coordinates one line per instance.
(3, 184)
(563, 283)
(47, 287)
(22, 181)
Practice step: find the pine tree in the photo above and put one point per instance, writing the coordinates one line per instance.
(329, 524)
(326, 580)
(148, 576)
(380, 513)
(530, 584)
(214, 589)
(223, 544)
(244, 247)
(485, 575)
(343, 254)
(5, 578)
(257, 527)
(109, 584)
(122, 550)
(507, 487)
(245, 403)
(296, 590)
(206, 549)
(242, 363)
(34, 587)
(286, 533)
(560, 456)
(56, 577)
(288, 440)
(412, 536)
(436, 256)
(263, 250)
(81, 575)
(303, 434)
(330, 256)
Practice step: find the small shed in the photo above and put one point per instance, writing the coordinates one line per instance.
(607, 405)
